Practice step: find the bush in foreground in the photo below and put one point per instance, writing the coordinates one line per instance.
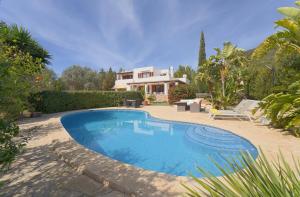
(283, 109)
(54, 101)
(9, 148)
(252, 178)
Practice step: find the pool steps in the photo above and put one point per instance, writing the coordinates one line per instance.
(221, 140)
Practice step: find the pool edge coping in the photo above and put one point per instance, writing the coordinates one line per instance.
(178, 180)
(162, 178)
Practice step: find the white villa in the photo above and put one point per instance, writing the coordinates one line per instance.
(154, 81)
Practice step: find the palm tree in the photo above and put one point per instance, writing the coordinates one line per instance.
(224, 67)
(187, 70)
(22, 39)
(229, 57)
(286, 40)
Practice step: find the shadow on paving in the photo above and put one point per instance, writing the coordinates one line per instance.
(38, 172)
(129, 178)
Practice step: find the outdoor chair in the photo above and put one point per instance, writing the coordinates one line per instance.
(242, 111)
(137, 103)
(125, 103)
(195, 107)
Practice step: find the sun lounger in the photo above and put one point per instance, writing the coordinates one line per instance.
(242, 111)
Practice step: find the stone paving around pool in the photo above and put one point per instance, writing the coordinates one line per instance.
(39, 171)
(55, 165)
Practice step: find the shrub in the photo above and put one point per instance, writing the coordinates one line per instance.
(9, 148)
(252, 178)
(151, 98)
(54, 101)
(283, 109)
(181, 92)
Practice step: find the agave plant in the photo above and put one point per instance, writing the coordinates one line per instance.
(283, 109)
(286, 40)
(252, 178)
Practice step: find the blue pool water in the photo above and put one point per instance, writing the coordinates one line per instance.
(137, 138)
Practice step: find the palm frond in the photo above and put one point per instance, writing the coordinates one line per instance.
(252, 178)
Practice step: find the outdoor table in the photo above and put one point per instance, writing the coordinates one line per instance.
(133, 103)
(181, 106)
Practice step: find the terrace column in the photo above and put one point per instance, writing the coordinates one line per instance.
(146, 89)
(150, 89)
(166, 88)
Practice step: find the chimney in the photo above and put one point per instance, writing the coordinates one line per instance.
(171, 71)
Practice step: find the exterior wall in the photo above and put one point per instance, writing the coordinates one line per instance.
(123, 83)
(160, 77)
(161, 97)
(136, 71)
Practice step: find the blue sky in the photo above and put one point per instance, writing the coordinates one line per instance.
(135, 33)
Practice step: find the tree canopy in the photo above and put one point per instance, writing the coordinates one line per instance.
(223, 74)
(19, 37)
(185, 70)
(263, 73)
(22, 61)
(83, 78)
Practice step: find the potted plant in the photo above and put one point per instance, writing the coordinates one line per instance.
(151, 98)
(145, 101)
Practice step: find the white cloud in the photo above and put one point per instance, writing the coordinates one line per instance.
(133, 32)
(70, 32)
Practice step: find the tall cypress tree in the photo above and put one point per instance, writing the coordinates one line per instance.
(202, 53)
(201, 87)
(101, 76)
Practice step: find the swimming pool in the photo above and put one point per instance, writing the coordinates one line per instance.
(135, 137)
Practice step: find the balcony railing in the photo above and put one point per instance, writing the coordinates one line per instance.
(123, 81)
(149, 79)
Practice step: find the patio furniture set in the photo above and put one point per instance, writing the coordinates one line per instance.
(132, 103)
(192, 105)
(243, 111)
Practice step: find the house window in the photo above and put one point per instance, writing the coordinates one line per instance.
(127, 77)
(121, 76)
(158, 88)
(145, 74)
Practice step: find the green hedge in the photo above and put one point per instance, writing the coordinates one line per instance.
(181, 92)
(55, 101)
